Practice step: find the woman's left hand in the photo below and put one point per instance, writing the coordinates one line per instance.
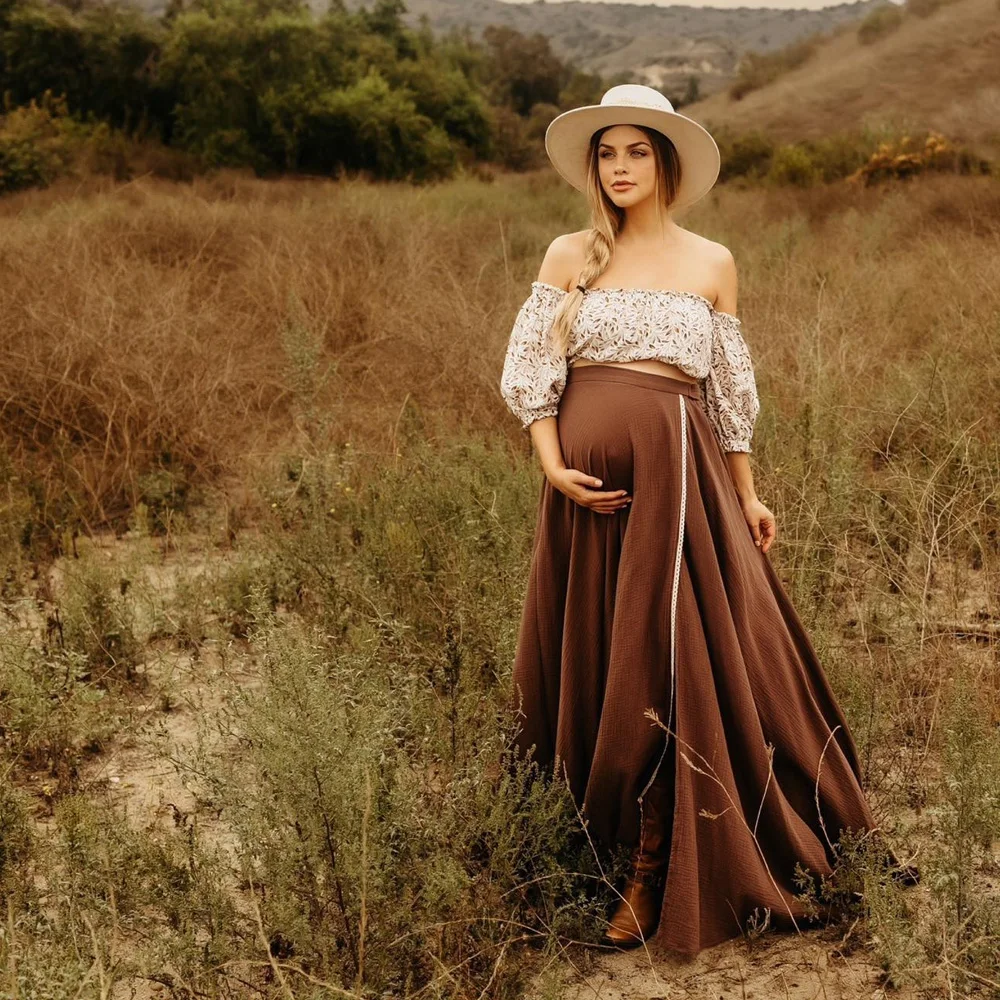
(762, 524)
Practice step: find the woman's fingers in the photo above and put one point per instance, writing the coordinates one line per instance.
(603, 508)
(591, 496)
(603, 497)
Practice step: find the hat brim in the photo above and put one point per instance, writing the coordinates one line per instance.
(567, 143)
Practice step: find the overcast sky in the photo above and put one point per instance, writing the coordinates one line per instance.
(728, 4)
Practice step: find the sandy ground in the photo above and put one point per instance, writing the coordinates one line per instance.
(786, 966)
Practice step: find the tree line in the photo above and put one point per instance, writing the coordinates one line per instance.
(270, 85)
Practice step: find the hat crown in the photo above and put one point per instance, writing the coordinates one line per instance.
(635, 95)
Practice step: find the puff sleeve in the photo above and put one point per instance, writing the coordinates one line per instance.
(534, 376)
(729, 391)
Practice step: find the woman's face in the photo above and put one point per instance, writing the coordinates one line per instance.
(625, 158)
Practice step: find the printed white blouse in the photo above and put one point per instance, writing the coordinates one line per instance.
(633, 324)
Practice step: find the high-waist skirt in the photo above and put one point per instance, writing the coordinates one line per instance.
(667, 604)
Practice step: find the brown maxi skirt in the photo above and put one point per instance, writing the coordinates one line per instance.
(618, 619)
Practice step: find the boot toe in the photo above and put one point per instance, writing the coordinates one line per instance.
(638, 914)
(618, 938)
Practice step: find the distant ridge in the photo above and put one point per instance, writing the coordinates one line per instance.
(660, 46)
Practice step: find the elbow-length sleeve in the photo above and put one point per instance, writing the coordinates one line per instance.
(534, 376)
(730, 390)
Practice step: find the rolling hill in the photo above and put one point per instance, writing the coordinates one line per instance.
(942, 72)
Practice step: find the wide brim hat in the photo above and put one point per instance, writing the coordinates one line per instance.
(567, 139)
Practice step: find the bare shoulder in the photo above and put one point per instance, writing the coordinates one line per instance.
(564, 259)
(720, 267)
(714, 254)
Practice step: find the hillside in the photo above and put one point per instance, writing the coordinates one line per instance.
(942, 71)
(660, 46)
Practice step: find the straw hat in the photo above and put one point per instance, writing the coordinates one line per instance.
(567, 139)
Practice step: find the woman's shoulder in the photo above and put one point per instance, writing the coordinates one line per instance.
(564, 259)
(719, 268)
(710, 251)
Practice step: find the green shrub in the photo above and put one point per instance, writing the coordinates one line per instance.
(878, 23)
(15, 840)
(746, 155)
(269, 86)
(907, 155)
(164, 494)
(51, 716)
(241, 589)
(99, 57)
(95, 881)
(326, 98)
(42, 141)
(836, 156)
(957, 863)
(370, 843)
(757, 69)
(372, 791)
(99, 622)
(793, 165)
(33, 147)
(855, 155)
(970, 811)
(516, 141)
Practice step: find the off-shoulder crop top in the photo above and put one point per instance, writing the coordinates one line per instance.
(633, 324)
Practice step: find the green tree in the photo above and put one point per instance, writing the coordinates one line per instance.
(446, 97)
(581, 88)
(102, 60)
(523, 70)
(370, 126)
(386, 20)
(225, 66)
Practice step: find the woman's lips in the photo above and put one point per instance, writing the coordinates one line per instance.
(622, 185)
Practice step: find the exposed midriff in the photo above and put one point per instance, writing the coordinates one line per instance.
(645, 365)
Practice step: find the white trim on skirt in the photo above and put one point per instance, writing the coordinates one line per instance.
(673, 595)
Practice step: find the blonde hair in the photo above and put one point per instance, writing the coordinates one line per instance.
(606, 220)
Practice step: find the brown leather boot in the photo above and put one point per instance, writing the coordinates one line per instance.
(638, 912)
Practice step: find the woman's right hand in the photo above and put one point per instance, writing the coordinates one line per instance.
(585, 490)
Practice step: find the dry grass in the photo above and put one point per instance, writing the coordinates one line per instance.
(198, 328)
(159, 326)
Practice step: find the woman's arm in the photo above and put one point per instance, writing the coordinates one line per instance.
(760, 520)
(742, 476)
(557, 265)
(545, 436)
(738, 461)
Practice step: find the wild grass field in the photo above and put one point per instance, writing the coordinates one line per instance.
(266, 523)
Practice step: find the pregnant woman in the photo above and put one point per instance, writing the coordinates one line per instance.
(650, 587)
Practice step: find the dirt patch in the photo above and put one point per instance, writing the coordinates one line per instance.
(789, 967)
